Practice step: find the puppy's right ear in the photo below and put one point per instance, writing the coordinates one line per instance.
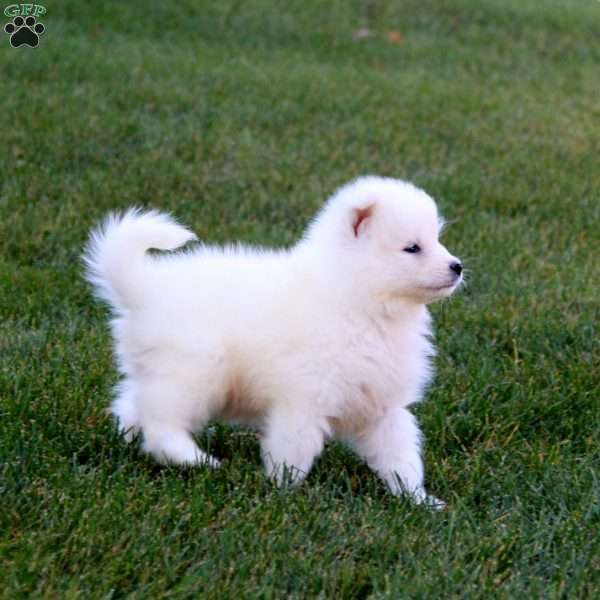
(361, 219)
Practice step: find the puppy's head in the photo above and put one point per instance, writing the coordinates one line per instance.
(390, 230)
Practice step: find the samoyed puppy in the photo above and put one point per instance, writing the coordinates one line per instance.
(328, 339)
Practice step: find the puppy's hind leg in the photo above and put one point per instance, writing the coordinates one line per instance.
(175, 446)
(167, 420)
(125, 411)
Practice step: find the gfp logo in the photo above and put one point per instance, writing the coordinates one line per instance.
(25, 29)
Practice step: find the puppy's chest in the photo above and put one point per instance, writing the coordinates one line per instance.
(380, 372)
(391, 363)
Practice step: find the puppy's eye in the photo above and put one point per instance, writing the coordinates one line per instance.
(413, 249)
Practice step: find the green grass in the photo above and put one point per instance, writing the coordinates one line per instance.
(241, 117)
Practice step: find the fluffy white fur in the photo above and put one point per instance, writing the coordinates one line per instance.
(329, 339)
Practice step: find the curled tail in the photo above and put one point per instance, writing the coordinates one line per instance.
(115, 253)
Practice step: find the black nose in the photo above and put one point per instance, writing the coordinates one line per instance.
(456, 267)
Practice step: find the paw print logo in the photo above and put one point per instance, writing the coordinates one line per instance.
(24, 31)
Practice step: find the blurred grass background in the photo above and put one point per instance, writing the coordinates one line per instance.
(241, 118)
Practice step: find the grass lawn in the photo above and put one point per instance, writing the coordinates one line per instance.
(241, 118)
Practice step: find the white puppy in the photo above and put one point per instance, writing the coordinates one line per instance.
(329, 339)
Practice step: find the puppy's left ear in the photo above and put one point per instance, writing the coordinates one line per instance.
(361, 219)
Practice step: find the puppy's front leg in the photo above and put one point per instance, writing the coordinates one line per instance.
(291, 442)
(392, 448)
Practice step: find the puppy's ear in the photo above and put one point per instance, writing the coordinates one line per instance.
(361, 218)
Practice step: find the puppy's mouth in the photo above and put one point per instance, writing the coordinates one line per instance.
(442, 288)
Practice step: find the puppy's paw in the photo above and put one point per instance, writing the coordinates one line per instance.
(283, 475)
(420, 496)
(434, 503)
(209, 461)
